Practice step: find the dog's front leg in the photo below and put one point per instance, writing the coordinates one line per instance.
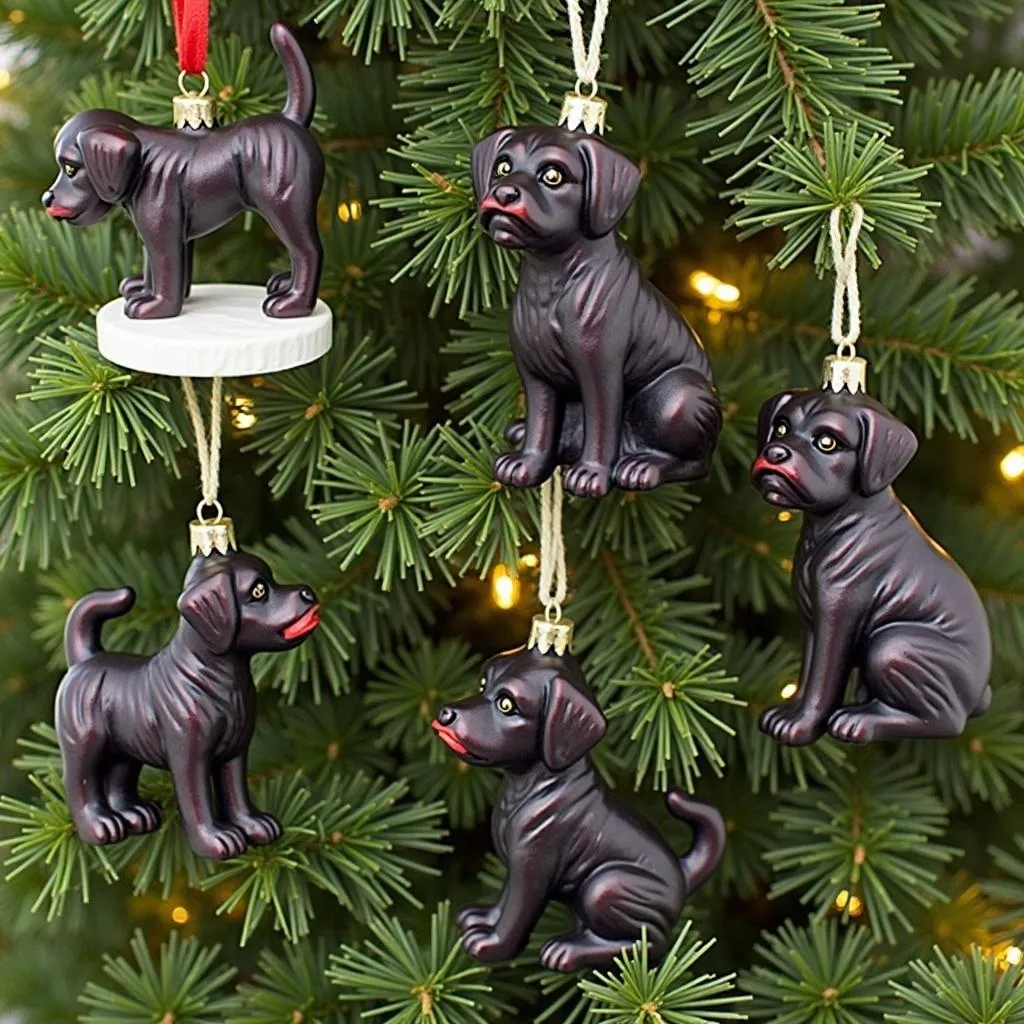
(602, 394)
(165, 267)
(519, 909)
(536, 460)
(828, 646)
(231, 782)
(189, 764)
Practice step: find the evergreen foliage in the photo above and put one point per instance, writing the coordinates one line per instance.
(368, 476)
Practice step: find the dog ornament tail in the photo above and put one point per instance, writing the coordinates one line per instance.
(82, 631)
(708, 838)
(301, 100)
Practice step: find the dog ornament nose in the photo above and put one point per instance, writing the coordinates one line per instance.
(776, 453)
(48, 198)
(446, 715)
(507, 194)
(306, 594)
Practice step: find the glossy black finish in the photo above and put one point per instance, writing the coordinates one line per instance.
(178, 185)
(617, 384)
(189, 708)
(876, 593)
(559, 831)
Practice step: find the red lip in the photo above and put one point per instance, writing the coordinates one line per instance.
(304, 624)
(762, 465)
(491, 205)
(449, 738)
(60, 212)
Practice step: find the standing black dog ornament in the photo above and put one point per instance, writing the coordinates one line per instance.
(189, 709)
(618, 387)
(559, 831)
(180, 184)
(876, 593)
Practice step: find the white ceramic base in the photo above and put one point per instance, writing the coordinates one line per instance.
(221, 332)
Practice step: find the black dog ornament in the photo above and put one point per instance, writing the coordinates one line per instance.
(189, 709)
(618, 386)
(876, 593)
(559, 831)
(180, 184)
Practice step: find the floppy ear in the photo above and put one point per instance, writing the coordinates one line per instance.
(885, 449)
(573, 723)
(112, 157)
(484, 153)
(209, 607)
(767, 415)
(609, 186)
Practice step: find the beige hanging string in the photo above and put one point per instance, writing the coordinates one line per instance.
(579, 110)
(551, 630)
(845, 370)
(217, 533)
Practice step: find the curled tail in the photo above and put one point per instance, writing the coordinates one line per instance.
(82, 631)
(301, 100)
(708, 838)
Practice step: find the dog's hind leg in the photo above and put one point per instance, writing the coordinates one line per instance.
(232, 785)
(301, 237)
(914, 677)
(670, 431)
(122, 784)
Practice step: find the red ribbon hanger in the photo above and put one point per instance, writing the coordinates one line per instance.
(192, 27)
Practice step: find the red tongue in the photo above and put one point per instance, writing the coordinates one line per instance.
(304, 625)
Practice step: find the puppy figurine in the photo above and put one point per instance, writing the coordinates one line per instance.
(189, 709)
(875, 591)
(178, 185)
(559, 831)
(617, 384)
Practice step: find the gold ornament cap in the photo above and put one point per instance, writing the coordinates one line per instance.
(209, 535)
(195, 110)
(845, 373)
(586, 112)
(546, 635)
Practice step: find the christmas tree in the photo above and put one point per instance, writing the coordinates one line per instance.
(858, 884)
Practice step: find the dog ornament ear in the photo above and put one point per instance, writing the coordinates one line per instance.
(112, 158)
(484, 153)
(573, 723)
(766, 417)
(610, 186)
(210, 608)
(886, 448)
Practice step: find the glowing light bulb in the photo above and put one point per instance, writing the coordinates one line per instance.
(180, 915)
(716, 293)
(842, 899)
(856, 906)
(784, 516)
(702, 282)
(349, 210)
(530, 561)
(1012, 466)
(16, 17)
(242, 415)
(504, 588)
(789, 690)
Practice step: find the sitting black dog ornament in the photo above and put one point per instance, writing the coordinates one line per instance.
(189, 709)
(180, 184)
(617, 385)
(559, 831)
(876, 593)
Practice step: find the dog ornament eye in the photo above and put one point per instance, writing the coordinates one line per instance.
(259, 591)
(70, 170)
(552, 176)
(827, 443)
(506, 705)
(781, 428)
(502, 168)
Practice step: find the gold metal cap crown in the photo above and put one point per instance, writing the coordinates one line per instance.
(194, 111)
(586, 112)
(548, 636)
(845, 373)
(209, 535)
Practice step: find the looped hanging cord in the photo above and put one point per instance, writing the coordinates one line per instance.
(587, 59)
(553, 580)
(846, 297)
(192, 29)
(208, 451)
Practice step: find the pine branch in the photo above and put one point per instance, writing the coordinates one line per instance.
(871, 833)
(368, 26)
(927, 31)
(1008, 889)
(667, 994)
(817, 975)
(404, 980)
(128, 24)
